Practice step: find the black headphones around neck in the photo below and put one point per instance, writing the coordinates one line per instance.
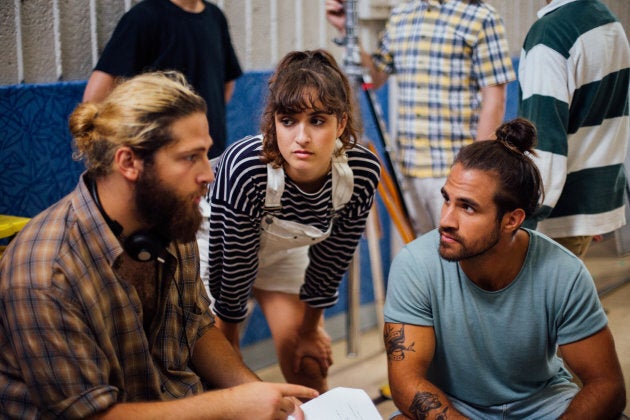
(142, 246)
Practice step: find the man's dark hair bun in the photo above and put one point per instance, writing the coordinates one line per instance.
(518, 135)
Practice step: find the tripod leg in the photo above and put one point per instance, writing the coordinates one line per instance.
(352, 320)
(392, 202)
(389, 163)
(377, 269)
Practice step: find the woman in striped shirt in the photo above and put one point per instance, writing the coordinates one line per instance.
(288, 208)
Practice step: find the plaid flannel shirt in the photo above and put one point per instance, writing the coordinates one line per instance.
(442, 54)
(72, 341)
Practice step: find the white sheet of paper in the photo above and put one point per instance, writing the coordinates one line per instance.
(341, 404)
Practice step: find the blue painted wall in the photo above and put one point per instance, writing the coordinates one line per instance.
(38, 169)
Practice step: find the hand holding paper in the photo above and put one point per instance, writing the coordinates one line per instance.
(341, 404)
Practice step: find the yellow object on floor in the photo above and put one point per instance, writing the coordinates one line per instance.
(386, 392)
(10, 225)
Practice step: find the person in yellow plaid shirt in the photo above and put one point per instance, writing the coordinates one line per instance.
(452, 65)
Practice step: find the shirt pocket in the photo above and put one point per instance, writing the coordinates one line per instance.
(179, 335)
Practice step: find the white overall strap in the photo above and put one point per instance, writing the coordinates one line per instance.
(342, 178)
(342, 182)
(275, 187)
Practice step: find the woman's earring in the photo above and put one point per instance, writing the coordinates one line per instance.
(338, 146)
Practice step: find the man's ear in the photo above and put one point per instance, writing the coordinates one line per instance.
(127, 163)
(513, 220)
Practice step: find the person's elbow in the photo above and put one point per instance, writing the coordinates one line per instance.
(493, 99)
(379, 78)
(99, 85)
(229, 90)
(619, 395)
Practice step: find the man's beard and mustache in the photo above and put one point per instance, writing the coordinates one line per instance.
(468, 250)
(169, 215)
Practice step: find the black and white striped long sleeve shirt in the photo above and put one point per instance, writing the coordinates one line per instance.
(237, 206)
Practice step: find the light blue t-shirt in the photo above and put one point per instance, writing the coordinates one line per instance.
(495, 347)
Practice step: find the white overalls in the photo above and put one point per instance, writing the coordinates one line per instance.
(283, 253)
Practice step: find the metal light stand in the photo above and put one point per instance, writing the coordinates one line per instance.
(352, 68)
(355, 72)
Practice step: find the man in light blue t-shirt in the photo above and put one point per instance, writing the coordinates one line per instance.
(477, 309)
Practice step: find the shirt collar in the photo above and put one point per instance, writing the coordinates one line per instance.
(95, 226)
(555, 4)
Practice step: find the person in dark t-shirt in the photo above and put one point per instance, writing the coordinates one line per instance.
(190, 36)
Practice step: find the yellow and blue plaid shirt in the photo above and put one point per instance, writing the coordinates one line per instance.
(442, 54)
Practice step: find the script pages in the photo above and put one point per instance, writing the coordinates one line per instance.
(341, 404)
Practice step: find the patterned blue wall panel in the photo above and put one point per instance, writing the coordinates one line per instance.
(511, 105)
(36, 158)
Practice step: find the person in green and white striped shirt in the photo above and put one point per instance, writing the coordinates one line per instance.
(574, 75)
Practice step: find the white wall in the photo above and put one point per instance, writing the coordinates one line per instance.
(49, 40)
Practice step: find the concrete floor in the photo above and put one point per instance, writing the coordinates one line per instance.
(368, 370)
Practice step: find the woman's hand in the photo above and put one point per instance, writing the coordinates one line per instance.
(314, 343)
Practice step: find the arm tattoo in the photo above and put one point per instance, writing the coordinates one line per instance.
(423, 402)
(395, 343)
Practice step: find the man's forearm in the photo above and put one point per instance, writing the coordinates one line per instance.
(492, 111)
(601, 400)
(215, 360)
(410, 350)
(99, 85)
(378, 77)
(424, 401)
(207, 405)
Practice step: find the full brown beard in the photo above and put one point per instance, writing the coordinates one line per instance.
(170, 215)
